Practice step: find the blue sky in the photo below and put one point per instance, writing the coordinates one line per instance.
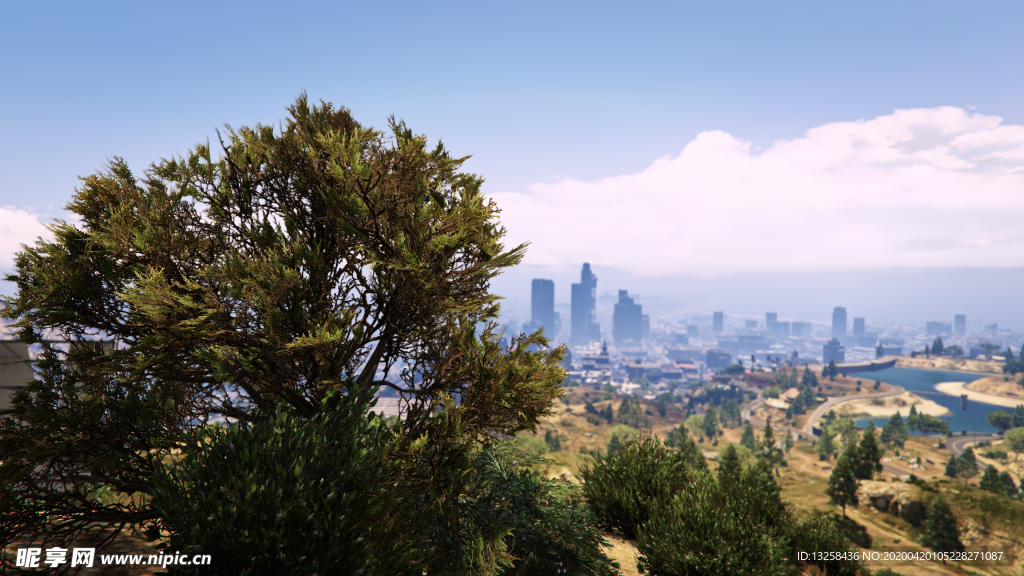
(555, 102)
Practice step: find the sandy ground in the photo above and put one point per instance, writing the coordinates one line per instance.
(958, 388)
(624, 552)
(882, 407)
(955, 364)
(997, 386)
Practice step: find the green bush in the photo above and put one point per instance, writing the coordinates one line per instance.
(625, 487)
(548, 527)
(733, 527)
(286, 495)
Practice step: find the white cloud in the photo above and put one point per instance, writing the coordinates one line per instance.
(18, 227)
(922, 187)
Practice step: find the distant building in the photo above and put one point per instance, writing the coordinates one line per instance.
(583, 304)
(858, 326)
(718, 359)
(834, 350)
(627, 320)
(770, 318)
(933, 328)
(838, 321)
(867, 340)
(800, 330)
(634, 369)
(892, 350)
(680, 353)
(750, 324)
(681, 338)
(542, 305)
(775, 328)
(992, 329)
(692, 330)
(960, 325)
(645, 327)
(718, 322)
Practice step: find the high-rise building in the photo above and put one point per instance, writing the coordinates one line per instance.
(769, 319)
(801, 330)
(933, 328)
(858, 326)
(584, 300)
(718, 323)
(627, 320)
(839, 321)
(834, 350)
(960, 325)
(692, 330)
(543, 305)
(645, 327)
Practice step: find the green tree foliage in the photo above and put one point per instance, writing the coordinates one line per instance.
(1000, 419)
(747, 438)
(826, 445)
(735, 526)
(842, 483)
(1018, 416)
(895, 431)
(954, 351)
(730, 412)
(787, 442)
(305, 260)
(769, 451)
(937, 347)
(1015, 438)
(620, 436)
(728, 464)
(553, 441)
(1010, 488)
(940, 531)
(631, 412)
(772, 392)
(711, 422)
(925, 423)
(967, 464)
(529, 444)
(952, 468)
(809, 378)
(735, 370)
(869, 454)
(287, 495)
(624, 488)
(990, 481)
(695, 424)
(831, 371)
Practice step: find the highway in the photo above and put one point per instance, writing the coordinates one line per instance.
(956, 444)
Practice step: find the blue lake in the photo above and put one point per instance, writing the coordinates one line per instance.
(973, 419)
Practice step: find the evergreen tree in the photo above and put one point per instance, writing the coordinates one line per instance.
(1018, 416)
(895, 431)
(711, 422)
(768, 451)
(299, 264)
(809, 379)
(807, 397)
(731, 412)
(747, 437)
(952, 468)
(614, 444)
(967, 464)
(913, 419)
(787, 443)
(927, 351)
(869, 454)
(937, 346)
(879, 351)
(842, 483)
(940, 531)
(1000, 419)
(826, 445)
(691, 456)
(990, 481)
(1009, 487)
(831, 370)
(728, 464)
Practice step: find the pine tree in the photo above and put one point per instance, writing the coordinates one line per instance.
(826, 445)
(711, 422)
(1010, 489)
(728, 464)
(869, 454)
(787, 443)
(768, 451)
(967, 464)
(952, 468)
(1018, 416)
(809, 379)
(842, 483)
(990, 481)
(831, 370)
(937, 346)
(747, 437)
(895, 431)
(940, 531)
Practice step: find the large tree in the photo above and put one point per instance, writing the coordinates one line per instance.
(318, 260)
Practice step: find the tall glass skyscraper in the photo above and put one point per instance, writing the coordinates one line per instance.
(584, 304)
(839, 321)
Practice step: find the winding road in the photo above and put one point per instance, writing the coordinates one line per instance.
(956, 444)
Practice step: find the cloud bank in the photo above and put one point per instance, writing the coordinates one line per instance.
(18, 227)
(921, 187)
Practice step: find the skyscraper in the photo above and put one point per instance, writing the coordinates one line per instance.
(960, 325)
(839, 321)
(584, 300)
(834, 350)
(543, 305)
(858, 326)
(627, 320)
(718, 323)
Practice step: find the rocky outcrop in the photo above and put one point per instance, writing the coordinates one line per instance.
(896, 498)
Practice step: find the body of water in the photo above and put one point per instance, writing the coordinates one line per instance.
(974, 419)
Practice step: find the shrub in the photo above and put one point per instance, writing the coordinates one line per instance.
(733, 527)
(625, 487)
(286, 495)
(549, 529)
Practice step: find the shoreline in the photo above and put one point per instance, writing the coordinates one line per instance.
(960, 388)
(864, 408)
